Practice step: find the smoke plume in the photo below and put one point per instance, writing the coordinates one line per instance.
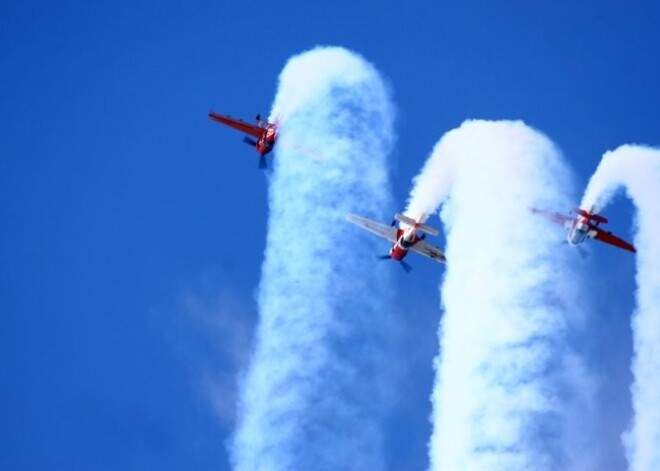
(314, 396)
(637, 170)
(510, 389)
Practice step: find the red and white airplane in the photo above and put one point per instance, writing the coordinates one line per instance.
(264, 132)
(585, 225)
(404, 238)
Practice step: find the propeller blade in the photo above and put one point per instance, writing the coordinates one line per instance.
(250, 141)
(581, 250)
(262, 162)
(583, 253)
(405, 266)
(383, 257)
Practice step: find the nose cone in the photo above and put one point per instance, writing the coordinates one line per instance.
(397, 253)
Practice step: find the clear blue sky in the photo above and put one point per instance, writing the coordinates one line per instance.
(133, 228)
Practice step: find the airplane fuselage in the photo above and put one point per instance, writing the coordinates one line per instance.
(406, 239)
(579, 230)
(266, 141)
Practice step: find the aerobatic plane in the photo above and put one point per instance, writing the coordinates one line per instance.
(264, 132)
(585, 225)
(404, 238)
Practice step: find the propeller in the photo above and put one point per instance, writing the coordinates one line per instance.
(403, 263)
(250, 141)
(262, 162)
(581, 250)
(583, 253)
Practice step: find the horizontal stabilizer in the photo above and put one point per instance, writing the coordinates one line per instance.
(590, 215)
(421, 226)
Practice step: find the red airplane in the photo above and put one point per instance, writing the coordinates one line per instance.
(585, 225)
(403, 238)
(264, 132)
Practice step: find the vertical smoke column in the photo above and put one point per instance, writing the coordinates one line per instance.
(637, 169)
(314, 397)
(509, 385)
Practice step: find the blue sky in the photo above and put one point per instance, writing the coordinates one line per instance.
(133, 228)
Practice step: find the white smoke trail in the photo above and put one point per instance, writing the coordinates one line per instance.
(508, 379)
(314, 396)
(637, 169)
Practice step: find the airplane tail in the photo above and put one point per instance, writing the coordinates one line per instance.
(264, 124)
(591, 215)
(421, 226)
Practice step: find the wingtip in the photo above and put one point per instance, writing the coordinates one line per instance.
(352, 218)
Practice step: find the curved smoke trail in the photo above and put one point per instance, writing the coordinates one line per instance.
(637, 169)
(314, 397)
(508, 379)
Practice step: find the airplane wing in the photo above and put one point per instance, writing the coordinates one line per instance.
(238, 124)
(611, 239)
(375, 227)
(553, 217)
(431, 251)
